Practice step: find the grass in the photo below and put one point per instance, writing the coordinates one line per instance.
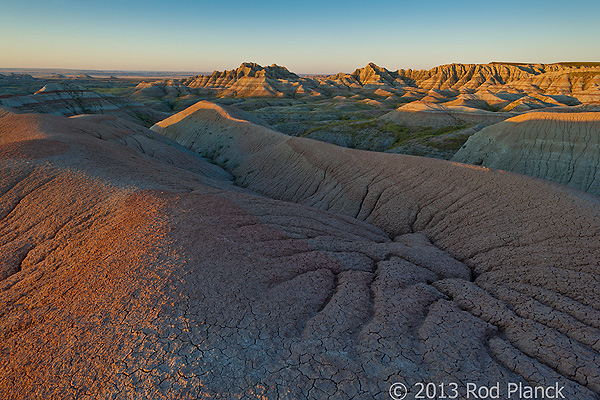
(405, 134)
(401, 132)
(144, 119)
(327, 126)
(114, 91)
(452, 143)
(366, 133)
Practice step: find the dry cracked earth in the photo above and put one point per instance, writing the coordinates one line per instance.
(284, 268)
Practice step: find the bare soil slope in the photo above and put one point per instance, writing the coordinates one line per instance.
(561, 147)
(132, 268)
(532, 247)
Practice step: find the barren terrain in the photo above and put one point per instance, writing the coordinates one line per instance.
(561, 147)
(227, 260)
(421, 112)
(265, 240)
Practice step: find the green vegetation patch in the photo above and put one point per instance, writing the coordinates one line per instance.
(372, 133)
(449, 144)
(114, 91)
(404, 134)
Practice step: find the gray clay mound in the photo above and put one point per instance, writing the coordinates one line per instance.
(133, 268)
(561, 147)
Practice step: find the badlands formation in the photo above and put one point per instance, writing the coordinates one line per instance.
(420, 112)
(227, 260)
(490, 85)
(71, 99)
(429, 113)
(461, 87)
(561, 147)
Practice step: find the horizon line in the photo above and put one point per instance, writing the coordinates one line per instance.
(198, 72)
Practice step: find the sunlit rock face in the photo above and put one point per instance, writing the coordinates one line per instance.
(283, 268)
(566, 84)
(249, 80)
(561, 147)
(552, 79)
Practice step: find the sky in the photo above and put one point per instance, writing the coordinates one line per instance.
(318, 37)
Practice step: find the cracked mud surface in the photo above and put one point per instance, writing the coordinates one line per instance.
(135, 269)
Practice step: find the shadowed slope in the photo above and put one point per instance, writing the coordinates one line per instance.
(497, 223)
(135, 278)
(561, 147)
(144, 273)
(71, 99)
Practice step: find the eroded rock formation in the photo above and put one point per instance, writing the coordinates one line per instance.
(561, 147)
(492, 221)
(136, 269)
(491, 86)
(71, 99)
(249, 80)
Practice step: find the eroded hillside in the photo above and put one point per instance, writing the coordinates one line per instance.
(69, 99)
(561, 147)
(420, 112)
(140, 270)
(578, 84)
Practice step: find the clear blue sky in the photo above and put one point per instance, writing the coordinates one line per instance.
(307, 36)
